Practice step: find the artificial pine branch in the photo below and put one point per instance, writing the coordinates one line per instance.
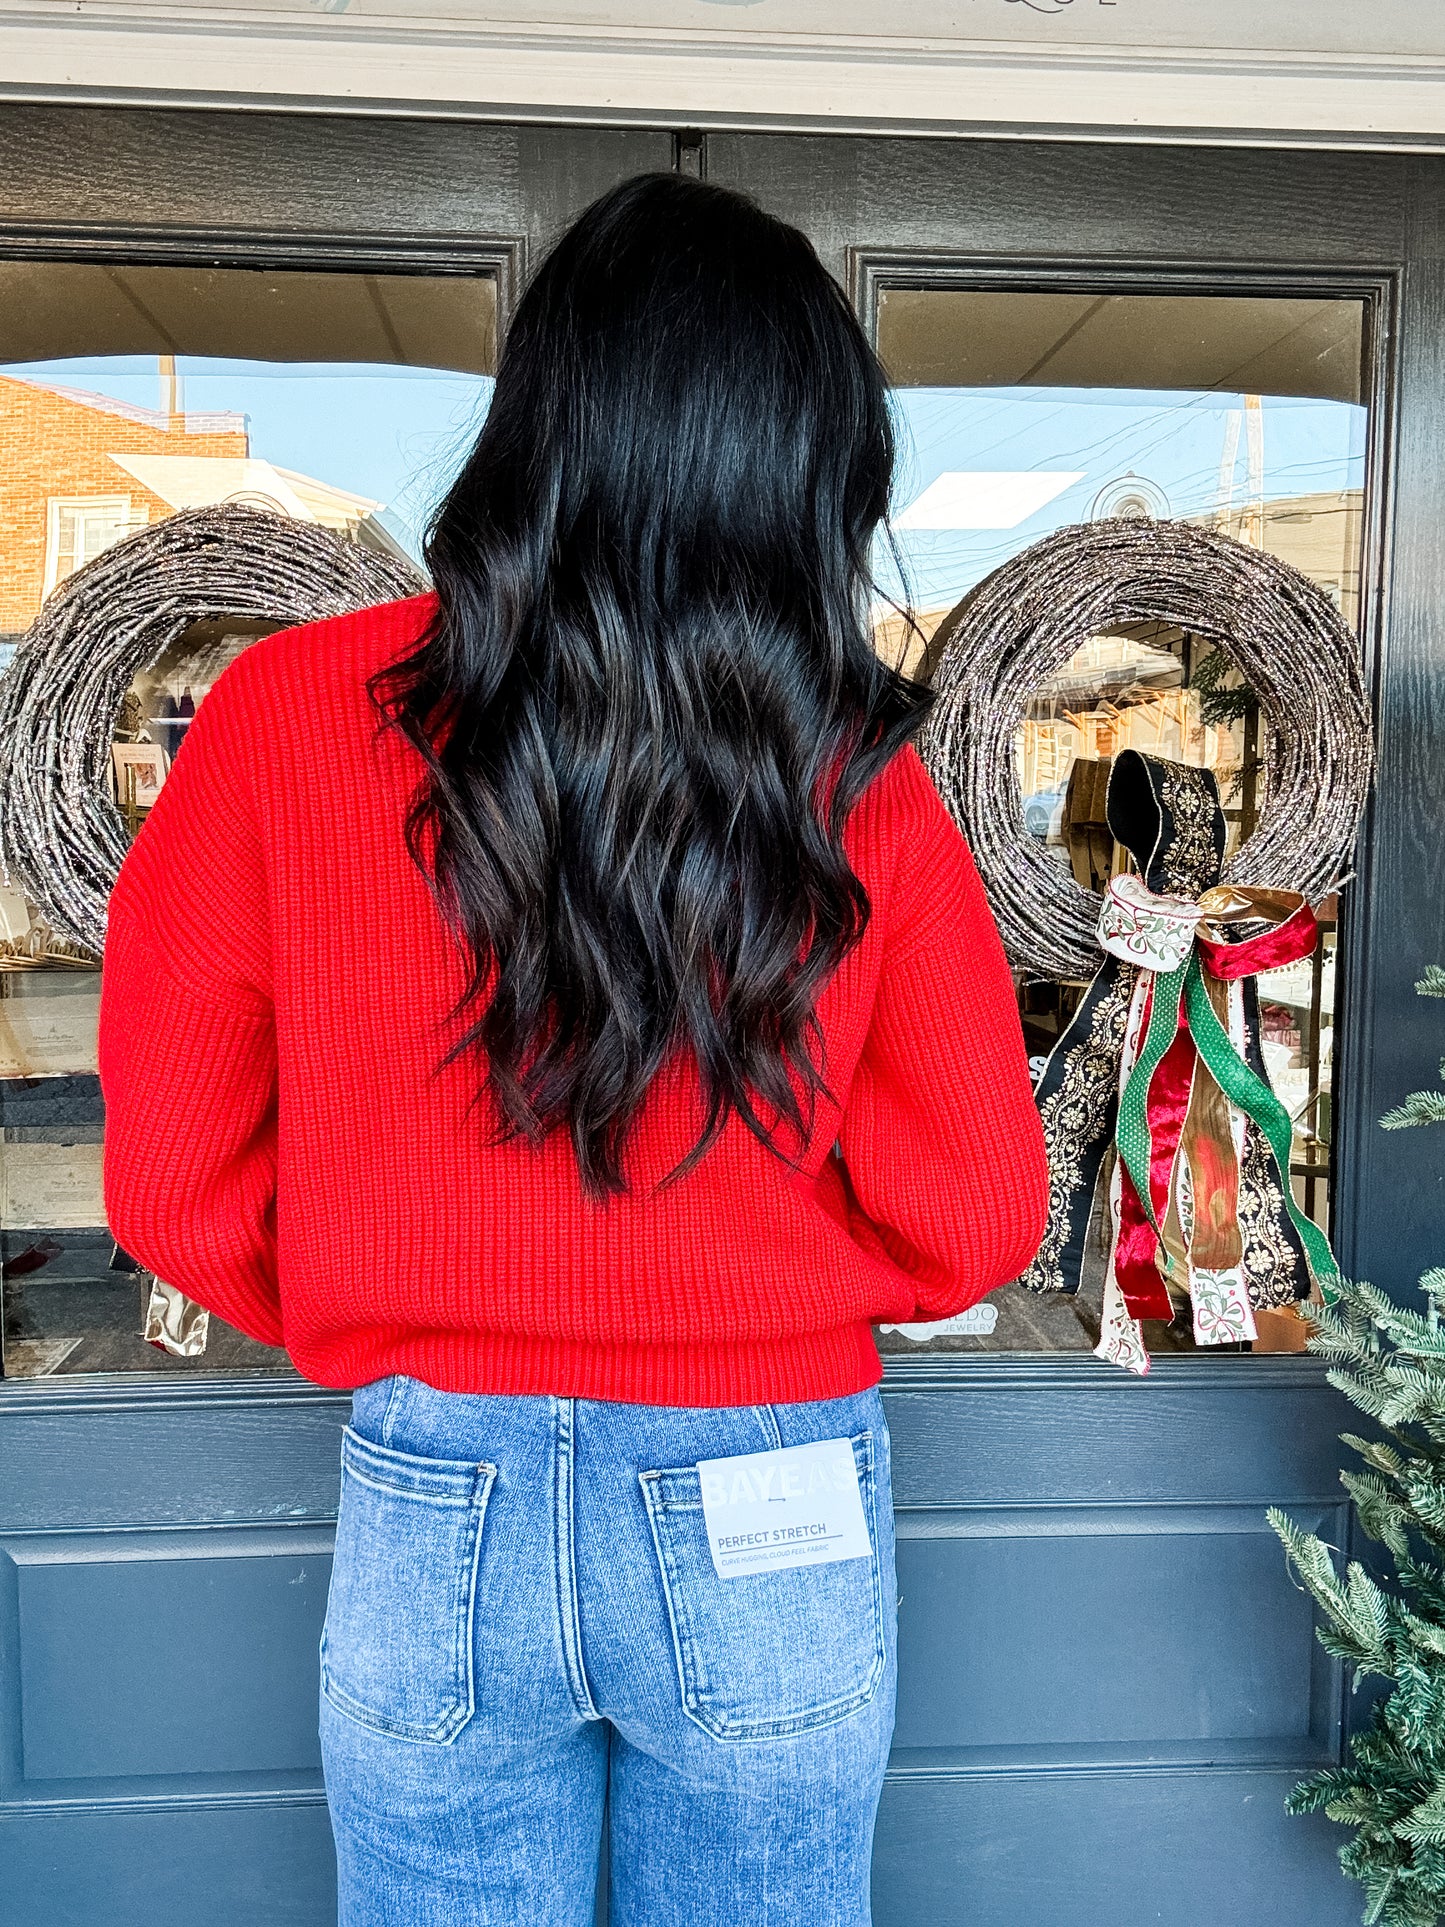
(1420, 1107)
(1389, 1361)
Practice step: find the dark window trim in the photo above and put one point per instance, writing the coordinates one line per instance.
(500, 257)
(871, 271)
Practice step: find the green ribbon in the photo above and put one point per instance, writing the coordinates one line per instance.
(1245, 1089)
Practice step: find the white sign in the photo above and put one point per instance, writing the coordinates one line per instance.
(766, 1511)
(977, 1322)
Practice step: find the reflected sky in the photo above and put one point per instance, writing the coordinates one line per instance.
(398, 435)
(1175, 441)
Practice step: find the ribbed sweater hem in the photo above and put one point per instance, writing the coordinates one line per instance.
(775, 1370)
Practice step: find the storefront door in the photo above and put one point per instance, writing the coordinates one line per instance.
(1107, 1682)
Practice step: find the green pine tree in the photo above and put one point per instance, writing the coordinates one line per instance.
(1391, 1363)
(1224, 696)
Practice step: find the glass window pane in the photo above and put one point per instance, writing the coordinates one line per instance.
(1023, 412)
(126, 394)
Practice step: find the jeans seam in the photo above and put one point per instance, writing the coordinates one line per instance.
(691, 1670)
(772, 1431)
(568, 1612)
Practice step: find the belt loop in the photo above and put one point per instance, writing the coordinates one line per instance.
(393, 1406)
(564, 1494)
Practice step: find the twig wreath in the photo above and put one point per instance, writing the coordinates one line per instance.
(61, 837)
(1024, 622)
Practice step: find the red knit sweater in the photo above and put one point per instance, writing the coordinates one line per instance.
(279, 1147)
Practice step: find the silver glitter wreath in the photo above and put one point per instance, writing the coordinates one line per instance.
(1023, 622)
(61, 837)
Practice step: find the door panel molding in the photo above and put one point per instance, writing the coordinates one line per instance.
(1178, 1845)
(354, 179)
(161, 1662)
(1142, 1603)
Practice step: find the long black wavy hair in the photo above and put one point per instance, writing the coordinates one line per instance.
(648, 698)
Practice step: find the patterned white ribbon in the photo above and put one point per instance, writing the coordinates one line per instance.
(1155, 933)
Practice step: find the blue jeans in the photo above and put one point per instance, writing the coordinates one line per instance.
(525, 1631)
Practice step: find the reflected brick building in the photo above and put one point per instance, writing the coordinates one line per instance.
(66, 492)
(80, 471)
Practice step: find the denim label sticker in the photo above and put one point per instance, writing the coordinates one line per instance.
(766, 1511)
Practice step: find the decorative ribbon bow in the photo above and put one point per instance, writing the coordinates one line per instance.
(1163, 1061)
(1186, 1092)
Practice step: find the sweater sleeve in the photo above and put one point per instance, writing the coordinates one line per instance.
(940, 1136)
(187, 1037)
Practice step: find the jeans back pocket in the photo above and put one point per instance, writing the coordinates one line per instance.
(396, 1645)
(767, 1654)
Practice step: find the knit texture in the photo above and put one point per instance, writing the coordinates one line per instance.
(281, 1146)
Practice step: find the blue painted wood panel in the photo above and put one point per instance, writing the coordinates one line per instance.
(1150, 1848)
(118, 1630)
(1098, 1643)
(1202, 1649)
(264, 1863)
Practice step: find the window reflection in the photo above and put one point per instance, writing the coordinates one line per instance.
(1020, 413)
(127, 394)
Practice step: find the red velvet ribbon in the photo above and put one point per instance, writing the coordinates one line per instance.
(1139, 1277)
(1294, 938)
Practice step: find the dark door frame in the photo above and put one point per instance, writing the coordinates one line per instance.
(95, 1470)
